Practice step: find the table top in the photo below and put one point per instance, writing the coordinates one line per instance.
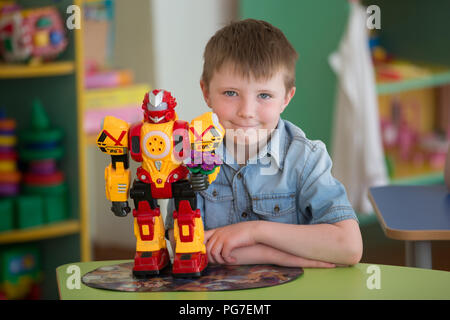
(413, 212)
(347, 283)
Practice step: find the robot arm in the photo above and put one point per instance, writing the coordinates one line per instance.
(113, 140)
(206, 134)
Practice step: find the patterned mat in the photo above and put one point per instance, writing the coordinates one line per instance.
(216, 278)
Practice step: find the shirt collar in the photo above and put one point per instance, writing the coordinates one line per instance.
(275, 149)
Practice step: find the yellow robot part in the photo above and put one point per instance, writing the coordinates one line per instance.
(158, 242)
(196, 245)
(206, 133)
(117, 182)
(113, 139)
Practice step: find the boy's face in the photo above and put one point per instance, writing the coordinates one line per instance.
(246, 103)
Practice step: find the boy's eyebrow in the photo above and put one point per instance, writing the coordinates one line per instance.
(266, 91)
(228, 88)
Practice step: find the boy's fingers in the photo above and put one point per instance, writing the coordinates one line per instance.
(208, 234)
(230, 259)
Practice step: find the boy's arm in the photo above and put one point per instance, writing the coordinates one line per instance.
(338, 243)
(447, 169)
(262, 254)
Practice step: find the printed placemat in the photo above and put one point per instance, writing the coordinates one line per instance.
(216, 278)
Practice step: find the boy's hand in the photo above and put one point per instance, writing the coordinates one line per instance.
(220, 242)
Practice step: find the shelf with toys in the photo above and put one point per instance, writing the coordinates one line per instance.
(425, 76)
(414, 109)
(41, 205)
(8, 71)
(52, 230)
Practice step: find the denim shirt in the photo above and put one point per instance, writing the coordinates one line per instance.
(288, 182)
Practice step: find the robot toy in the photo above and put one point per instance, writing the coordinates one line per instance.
(178, 159)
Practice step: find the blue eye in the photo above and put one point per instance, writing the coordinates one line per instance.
(230, 93)
(264, 96)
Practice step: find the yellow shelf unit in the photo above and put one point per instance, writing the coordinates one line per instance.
(11, 71)
(42, 232)
(61, 89)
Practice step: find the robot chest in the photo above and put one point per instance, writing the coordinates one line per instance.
(157, 144)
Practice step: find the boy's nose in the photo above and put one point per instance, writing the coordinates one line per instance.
(246, 109)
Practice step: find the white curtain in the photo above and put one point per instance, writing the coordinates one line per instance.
(358, 158)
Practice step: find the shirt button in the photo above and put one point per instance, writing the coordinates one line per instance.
(214, 193)
(276, 209)
(244, 214)
(239, 175)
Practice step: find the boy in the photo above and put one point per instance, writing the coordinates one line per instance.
(296, 213)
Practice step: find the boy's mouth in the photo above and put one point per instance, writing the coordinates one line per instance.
(243, 126)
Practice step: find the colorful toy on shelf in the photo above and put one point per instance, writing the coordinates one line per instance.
(162, 143)
(43, 183)
(9, 174)
(20, 273)
(37, 34)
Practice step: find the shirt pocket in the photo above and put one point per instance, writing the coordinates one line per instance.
(218, 206)
(275, 207)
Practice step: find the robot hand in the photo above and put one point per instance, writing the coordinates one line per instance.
(199, 181)
(120, 208)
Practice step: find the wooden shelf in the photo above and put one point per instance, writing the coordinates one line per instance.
(437, 78)
(16, 71)
(47, 231)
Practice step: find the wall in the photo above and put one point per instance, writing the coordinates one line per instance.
(163, 42)
(315, 29)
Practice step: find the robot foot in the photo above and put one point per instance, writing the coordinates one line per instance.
(189, 265)
(150, 264)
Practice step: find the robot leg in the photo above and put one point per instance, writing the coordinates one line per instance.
(151, 251)
(190, 258)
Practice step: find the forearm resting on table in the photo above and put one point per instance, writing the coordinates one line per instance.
(338, 243)
(262, 254)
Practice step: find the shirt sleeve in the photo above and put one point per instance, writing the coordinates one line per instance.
(322, 198)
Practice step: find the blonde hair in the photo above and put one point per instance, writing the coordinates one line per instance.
(255, 47)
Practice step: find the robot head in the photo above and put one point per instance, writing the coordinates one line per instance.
(158, 106)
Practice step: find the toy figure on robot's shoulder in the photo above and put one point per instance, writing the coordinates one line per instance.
(177, 159)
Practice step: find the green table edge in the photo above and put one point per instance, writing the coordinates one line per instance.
(346, 283)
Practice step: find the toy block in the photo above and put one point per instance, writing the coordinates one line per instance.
(55, 208)
(29, 211)
(6, 214)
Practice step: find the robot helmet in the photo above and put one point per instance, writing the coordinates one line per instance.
(158, 106)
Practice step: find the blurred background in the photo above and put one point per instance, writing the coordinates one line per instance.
(373, 85)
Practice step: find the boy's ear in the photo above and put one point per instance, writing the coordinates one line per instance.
(205, 92)
(289, 95)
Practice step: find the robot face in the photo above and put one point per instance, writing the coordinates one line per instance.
(156, 102)
(158, 106)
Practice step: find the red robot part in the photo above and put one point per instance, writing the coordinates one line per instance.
(151, 262)
(134, 142)
(188, 264)
(158, 106)
(179, 173)
(145, 217)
